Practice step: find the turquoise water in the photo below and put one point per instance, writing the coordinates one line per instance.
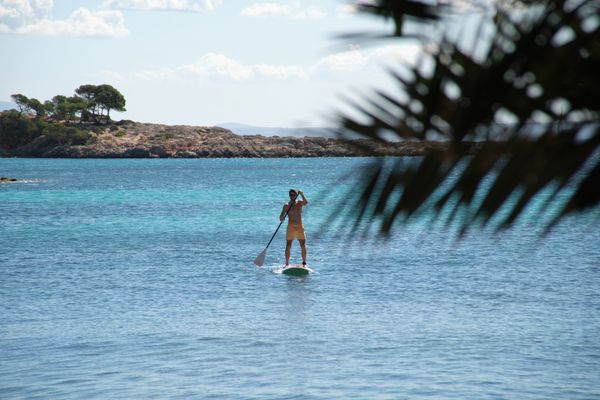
(130, 279)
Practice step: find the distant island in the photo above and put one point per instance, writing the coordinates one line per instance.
(80, 126)
(128, 139)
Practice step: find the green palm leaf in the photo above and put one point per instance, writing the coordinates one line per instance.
(531, 100)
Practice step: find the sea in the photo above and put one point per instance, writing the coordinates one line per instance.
(134, 279)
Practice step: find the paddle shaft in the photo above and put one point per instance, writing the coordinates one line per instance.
(277, 230)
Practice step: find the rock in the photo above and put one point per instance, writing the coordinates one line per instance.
(158, 151)
(185, 154)
(137, 152)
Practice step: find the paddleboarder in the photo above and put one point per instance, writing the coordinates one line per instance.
(295, 228)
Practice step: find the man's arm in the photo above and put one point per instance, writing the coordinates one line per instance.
(283, 211)
(304, 200)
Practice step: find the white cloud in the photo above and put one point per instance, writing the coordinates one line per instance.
(82, 23)
(213, 65)
(282, 72)
(266, 10)
(32, 17)
(346, 9)
(292, 10)
(164, 5)
(347, 61)
(218, 64)
(308, 13)
(408, 54)
(355, 60)
(15, 13)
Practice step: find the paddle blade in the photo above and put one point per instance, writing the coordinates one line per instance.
(260, 260)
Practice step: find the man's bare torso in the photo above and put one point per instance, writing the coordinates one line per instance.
(295, 214)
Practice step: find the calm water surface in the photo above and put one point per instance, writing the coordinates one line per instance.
(131, 279)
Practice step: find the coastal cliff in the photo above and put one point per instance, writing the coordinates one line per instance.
(127, 139)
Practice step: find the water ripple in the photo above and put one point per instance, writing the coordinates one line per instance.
(130, 279)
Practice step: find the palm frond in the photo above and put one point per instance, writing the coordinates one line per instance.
(528, 91)
(399, 11)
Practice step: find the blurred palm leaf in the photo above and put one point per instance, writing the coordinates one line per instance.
(528, 91)
(399, 11)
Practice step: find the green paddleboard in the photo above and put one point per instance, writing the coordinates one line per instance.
(296, 270)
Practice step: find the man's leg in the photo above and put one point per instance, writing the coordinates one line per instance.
(303, 246)
(288, 250)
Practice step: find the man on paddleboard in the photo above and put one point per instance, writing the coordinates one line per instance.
(295, 228)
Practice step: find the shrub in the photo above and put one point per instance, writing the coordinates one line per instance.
(163, 137)
(60, 135)
(17, 130)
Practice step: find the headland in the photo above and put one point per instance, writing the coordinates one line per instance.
(128, 139)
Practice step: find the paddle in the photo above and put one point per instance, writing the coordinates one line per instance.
(260, 260)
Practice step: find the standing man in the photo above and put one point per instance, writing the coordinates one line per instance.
(295, 228)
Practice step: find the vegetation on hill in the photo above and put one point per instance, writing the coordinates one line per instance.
(17, 130)
(51, 123)
(89, 104)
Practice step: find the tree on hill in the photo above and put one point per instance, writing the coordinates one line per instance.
(67, 108)
(37, 107)
(533, 65)
(88, 94)
(22, 102)
(109, 98)
(29, 105)
(90, 102)
(49, 108)
(100, 99)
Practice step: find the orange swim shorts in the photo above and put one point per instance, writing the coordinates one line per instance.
(295, 232)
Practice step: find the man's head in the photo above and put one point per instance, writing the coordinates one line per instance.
(293, 194)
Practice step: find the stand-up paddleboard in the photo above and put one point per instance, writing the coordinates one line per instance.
(296, 270)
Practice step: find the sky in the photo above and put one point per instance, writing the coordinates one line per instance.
(198, 62)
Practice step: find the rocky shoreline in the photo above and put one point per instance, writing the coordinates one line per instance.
(128, 139)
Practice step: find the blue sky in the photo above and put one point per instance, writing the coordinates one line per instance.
(200, 62)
